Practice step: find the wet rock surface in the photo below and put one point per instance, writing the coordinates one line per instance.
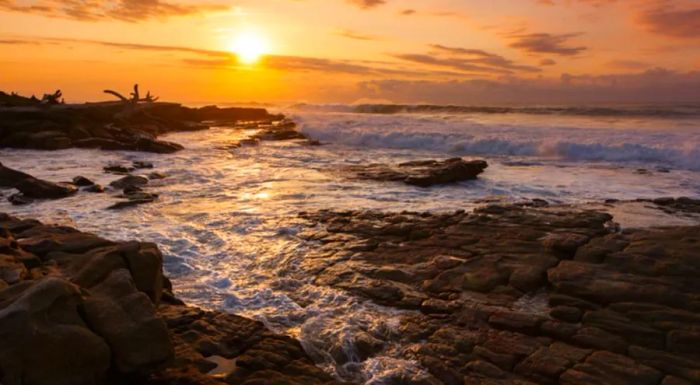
(421, 173)
(522, 295)
(79, 309)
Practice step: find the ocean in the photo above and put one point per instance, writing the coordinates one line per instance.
(227, 217)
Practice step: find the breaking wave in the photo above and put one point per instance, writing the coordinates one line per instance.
(664, 111)
(463, 136)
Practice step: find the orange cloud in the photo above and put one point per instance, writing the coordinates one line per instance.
(125, 10)
(365, 4)
(350, 34)
(547, 43)
(666, 20)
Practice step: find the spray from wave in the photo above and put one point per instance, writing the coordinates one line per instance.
(665, 146)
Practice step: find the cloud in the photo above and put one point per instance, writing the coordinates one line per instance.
(595, 3)
(407, 12)
(668, 21)
(628, 64)
(658, 85)
(214, 59)
(482, 57)
(547, 62)
(350, 34)
(547, 43)
(124, 10)
(474, 61)
(366, 4)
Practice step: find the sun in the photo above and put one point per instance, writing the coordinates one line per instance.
(249, 46)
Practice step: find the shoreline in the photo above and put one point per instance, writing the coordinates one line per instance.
(510, 294)
(586, 329)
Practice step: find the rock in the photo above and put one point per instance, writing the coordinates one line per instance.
(82, 181)
(117, 169)
(566, 313)
(156, 175)
(126, 319)
(32, 188)
(11, 270)
(139, 164)
(285, 130)
(115, 125)
(129, 181)
(19, 199)
(10, 178)
(95, 188)
(421, 173)
(40, 189)
(610, 368)
(681, 366)
(45, 339)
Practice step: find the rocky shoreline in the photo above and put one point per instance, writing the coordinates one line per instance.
(524, 295)
(79, 309)
(510, 295)
(132, 125)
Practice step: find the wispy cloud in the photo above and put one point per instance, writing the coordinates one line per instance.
(483, 57)
(124, 10)
(659, 85)
(669, 21)
(350, 34)
(466, 60)
(366, 4)
(557, 44)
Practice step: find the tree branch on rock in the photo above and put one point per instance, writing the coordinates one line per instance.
(135, 96)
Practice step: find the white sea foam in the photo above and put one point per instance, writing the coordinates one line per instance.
(659, 142)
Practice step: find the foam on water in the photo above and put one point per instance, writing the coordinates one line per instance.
(657, 142)
(227, 221)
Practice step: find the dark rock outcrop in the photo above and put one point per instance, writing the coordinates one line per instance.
(33, 188)
(110, 125)
(421, 173)
(78, 309)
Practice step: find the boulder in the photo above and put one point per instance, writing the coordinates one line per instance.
(126, 319)
(40, 189)
(31, 187)
(129, 181)
(45, 340)
(421, 173)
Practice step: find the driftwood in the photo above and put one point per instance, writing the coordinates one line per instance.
(54, 98)
(135, 96)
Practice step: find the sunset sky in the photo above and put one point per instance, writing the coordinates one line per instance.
(407, 51)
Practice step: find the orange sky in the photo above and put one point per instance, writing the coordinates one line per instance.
(407, 51)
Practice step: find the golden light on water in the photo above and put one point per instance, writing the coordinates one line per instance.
(249, 46)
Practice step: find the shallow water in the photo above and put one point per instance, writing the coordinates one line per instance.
(226, 219)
